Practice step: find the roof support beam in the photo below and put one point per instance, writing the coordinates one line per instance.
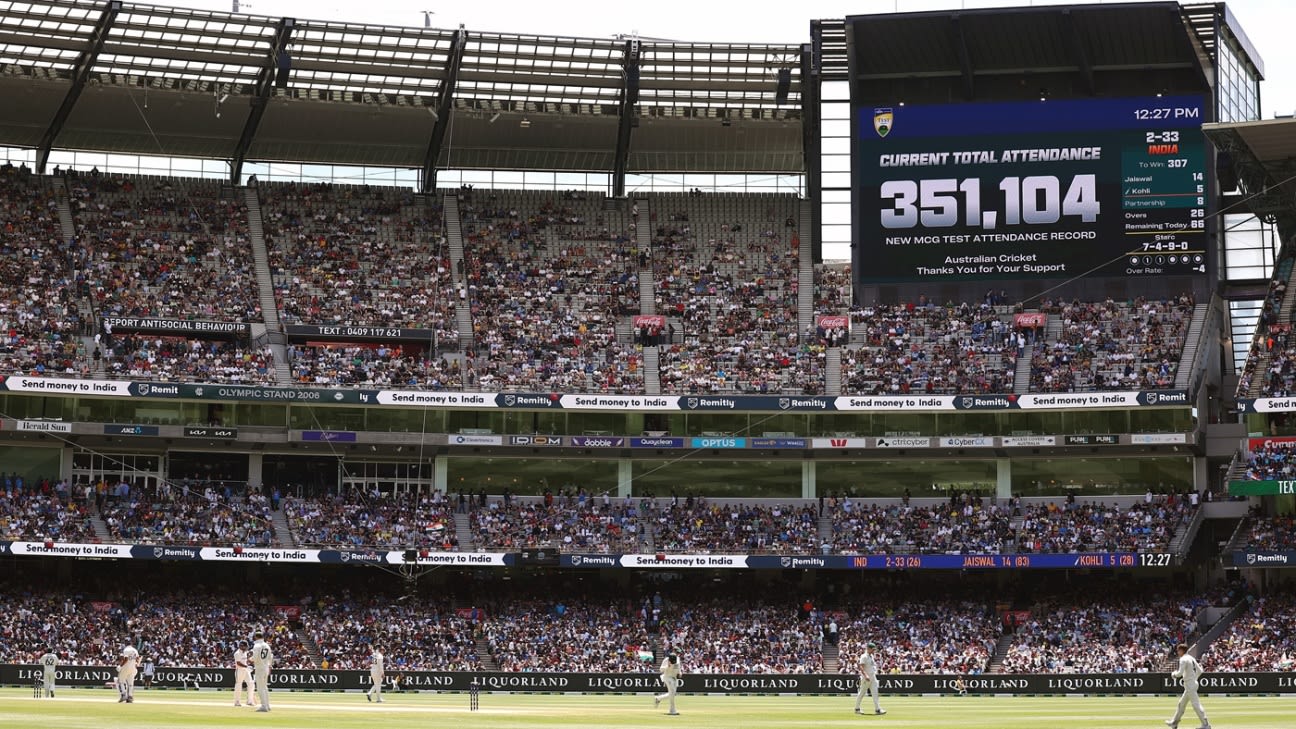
(626, 109)
(261, 95)
(811, 143)
(80, 74)
(1078, 52)
(964, 57)
(444, 108)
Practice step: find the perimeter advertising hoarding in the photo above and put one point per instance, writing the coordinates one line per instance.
(690, 683)
(1030, 189)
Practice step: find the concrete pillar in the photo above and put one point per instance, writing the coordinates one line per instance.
(65, 465)
(625, 477)
(256, 478)
(1201, 475)
(1003, 478)
(809, 489)
(440, 470)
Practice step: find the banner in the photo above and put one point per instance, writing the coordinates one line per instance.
(45, 426)
(656, 321)
(291, 612)
(300, 332)
(1261, 488)
(548, 441)
(1034, 320)
(1101, 560)
(131, 430)
(968, 441)
(839, 443)
(331, 436)
(175, 326)
(1248, 558)
(657, 442)
(613, 403)
(596, 441)
(184, 552)
(648, 682)
(832, 321)
(1080, 440)
(192, 431)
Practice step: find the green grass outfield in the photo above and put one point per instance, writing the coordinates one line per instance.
(98, 709)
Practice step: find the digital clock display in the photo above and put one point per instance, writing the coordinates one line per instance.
(1050, 189)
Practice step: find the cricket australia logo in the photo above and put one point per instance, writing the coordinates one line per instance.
(785, 403)
(577, 560)
(1251, 559)
(145, 389)
(785, 561)
(692, 402)
(965, 402)
(510, 400)
(883, 120)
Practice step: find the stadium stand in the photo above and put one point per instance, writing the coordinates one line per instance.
(427, 635)
(167, 516)
(917, 634)
(580, 523)
(41, 514)
(554, 635)
(700, 527)
(1271, 533)
(363, 521)
(1270, 461)
(549, 278)
(1261, 639)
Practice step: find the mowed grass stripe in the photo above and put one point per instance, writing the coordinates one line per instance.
(97, 709)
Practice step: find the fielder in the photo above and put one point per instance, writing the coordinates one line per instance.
(126, 668)
(868, 681)
(243, 684)
(262, 660)
(1189, 670)
(375, 676)
(49, 664)
(670, 678)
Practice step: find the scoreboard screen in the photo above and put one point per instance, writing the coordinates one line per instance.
(1018, 190)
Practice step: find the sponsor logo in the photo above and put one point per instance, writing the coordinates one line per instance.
(1092, 440)
(587, 441)
(839, 443)
(656, 442)
(201, 432)
(1158, 438)
(883, 121)
(778, 442)
(130, 430)
(476, 439)
(1171, 397)
(718, 443)
(44, 426)
(594, 560)
(969, 441)
(329, 436)
(150, 390)
(1029, 441)
(1254, 558)
(894, 442)
(536, 440)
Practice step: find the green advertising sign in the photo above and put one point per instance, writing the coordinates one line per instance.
(1261, 488)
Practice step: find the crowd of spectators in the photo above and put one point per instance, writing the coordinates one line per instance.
(1271, 533)
(1112, 345)
(580, 524)
(39, 286)
(921, 348)
(358, 256)
(1120, 632)
(415, 635)
(920, 635)
(38, 514)
(968, 527)
(1271, 460)
(597, 635)
(171, 359)
(725, 269)
(373, 521)
(153, 244)
(378, 365)
(1146, 526)
(698, 526)
(548, 281)
(730, 635)
(1261, 639)
(169, 515)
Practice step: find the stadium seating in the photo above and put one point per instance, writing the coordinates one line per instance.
(400, 366)
(549, 277)
(175, 359)
(210, 518)
(1271, 533)
(1271, 461)
(364, 521)
(702, 527)
(573, 525)
(1098, 527)
(1272, 337)
(862, 528)
(1261, 639)
(551, 635)
(34, 516)
(916, 634)
(424, 635)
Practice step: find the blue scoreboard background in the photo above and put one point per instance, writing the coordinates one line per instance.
(1033, 189)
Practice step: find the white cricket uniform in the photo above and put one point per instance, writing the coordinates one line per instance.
(868, 682)
(49, 664)
(243, 684)
(670, 678)
(1189, 670)
(262, 660)
(376, 676)
(126, 670)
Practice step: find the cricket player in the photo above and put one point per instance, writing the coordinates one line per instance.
(868, 680)
(127, 664)
(1189, 670)
(262, 660)
(670, 678)
(375, 675)
(243, 685)
(49, 664)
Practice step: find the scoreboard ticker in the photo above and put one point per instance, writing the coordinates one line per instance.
(1040, 189)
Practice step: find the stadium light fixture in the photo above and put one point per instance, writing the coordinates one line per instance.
(494, 118)
(1043, 94)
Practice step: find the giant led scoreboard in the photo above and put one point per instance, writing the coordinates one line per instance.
(1035, 189)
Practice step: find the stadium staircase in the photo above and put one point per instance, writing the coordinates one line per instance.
(484, 655)
(102, 535)
(643, 240)
(1192, 342)
(831, 658)
(282, 534)
(652, 370)
(1184, 536)
(649, 537)
(805, 272)
(1236, 541)
(1285, 312)
(833, 371)
(825, 528)
(1200, 645)
(1021, 377)
(67, 226)
(458, 268)
(265, 286)
(1000, 652)
(312, 648)
(462, 531)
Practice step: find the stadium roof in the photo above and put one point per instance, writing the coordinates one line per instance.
(144, 79)
(1263, 154)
